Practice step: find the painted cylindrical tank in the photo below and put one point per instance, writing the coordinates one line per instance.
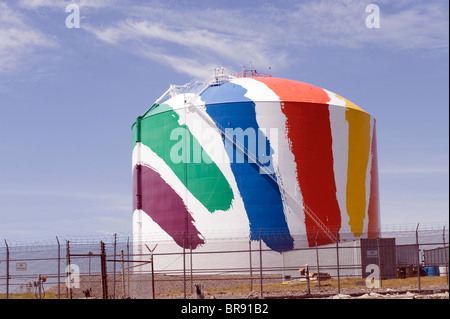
(258, 156)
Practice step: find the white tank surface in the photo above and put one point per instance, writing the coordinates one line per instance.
(254, 156)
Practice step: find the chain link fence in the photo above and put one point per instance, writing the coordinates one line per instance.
(117, 268)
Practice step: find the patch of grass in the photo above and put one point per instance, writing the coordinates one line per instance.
(29, 295)
(300, 287)
(332, 285)
(358, 283)
(413, 282)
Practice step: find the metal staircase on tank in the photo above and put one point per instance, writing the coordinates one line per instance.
(192, 104)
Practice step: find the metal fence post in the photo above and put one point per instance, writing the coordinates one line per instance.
(317, 261)
(104, 274)
(445, 255)
(380, 279)
(114, 267)
(128, 266)
(7, 270)
(68, 290)
(337, 263)
(190, 262)
(59, 268)
(153, 275)
(184, 266)
(418, 256)
(260, 264)
(308, 285)
(123, 274)
(153, 269)
(250, 256)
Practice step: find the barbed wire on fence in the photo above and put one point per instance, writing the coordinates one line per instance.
(396, 230)
(229, 256)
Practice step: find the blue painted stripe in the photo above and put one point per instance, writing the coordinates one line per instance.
(260, 193)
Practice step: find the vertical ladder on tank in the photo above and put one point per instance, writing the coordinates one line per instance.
(308, 211)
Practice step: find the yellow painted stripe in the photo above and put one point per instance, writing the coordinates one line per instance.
(358, 158)
(350, 105)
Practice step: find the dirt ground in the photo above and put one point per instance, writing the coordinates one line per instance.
(327, 291)
(242, 287)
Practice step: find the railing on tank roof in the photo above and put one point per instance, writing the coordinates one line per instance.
(252, 73)
(191, 87)
(219, 76)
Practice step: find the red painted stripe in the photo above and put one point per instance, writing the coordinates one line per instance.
(165, 207)
(309, 131)
(310, 135)
(295, 91)
(374, 208)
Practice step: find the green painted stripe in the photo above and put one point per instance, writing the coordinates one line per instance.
(181, 151)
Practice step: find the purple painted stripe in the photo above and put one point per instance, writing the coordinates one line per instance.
(164, 206)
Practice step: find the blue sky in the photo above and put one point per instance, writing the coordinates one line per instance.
(68, 96)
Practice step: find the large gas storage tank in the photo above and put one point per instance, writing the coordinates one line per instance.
(279, 160)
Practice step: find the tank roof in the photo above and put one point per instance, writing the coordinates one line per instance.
(231, 83)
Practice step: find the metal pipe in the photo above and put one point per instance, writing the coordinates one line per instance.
(260, 264)
(380, 279)
(153, 276)
(308, 286)
(317, 261)
(68, 290)
(104, 274)
(190, 256)
(184, 267)
(337, 263)
(128, 264)
(418, 256)
(445, 255)
(59, 268)
(114, 267)
(138, 129)
(7, 270)
(251, 271)
(123, 274)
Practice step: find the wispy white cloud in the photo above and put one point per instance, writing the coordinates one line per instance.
(269, 36)
(264, 35)
(423, 25)
(189, 66)
(18, 40)
(186, 47)
(35, 4)
(411, 25)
